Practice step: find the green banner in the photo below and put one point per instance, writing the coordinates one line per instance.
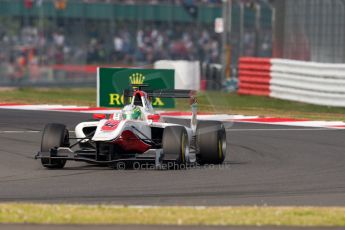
(111, 82)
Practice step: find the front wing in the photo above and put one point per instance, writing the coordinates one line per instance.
(151, 156)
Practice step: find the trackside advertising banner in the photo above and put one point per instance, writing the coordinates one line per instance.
(111, 82)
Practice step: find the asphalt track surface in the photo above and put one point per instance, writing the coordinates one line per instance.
(265, 165)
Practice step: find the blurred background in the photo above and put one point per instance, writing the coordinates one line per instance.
(46, 42)
(61, 42)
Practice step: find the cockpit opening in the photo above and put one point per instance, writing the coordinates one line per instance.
(137, 100)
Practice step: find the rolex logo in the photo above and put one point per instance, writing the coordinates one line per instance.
(137, 78)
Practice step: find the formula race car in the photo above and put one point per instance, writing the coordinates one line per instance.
(136, 134)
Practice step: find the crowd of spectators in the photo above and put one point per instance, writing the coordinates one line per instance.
(29, 46)
(154, 43)
(31, 50)
(127, 46)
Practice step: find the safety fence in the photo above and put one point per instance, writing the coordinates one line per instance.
(309, 82)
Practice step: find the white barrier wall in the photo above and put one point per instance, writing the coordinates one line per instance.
(310, 82)
(187, 73)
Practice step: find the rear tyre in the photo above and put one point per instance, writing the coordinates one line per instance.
(54, 135)
(175, 144)
(211, 142)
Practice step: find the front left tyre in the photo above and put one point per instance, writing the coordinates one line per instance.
(54, 135)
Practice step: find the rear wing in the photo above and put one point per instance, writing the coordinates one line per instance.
(172, 93)
(162, 93)
(180, 93)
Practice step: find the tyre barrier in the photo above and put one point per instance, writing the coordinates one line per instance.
(308, 82)
(254, 76)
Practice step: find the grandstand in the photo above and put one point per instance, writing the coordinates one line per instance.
(128, 32)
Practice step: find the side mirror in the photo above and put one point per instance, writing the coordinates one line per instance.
(99, 116)
(154, 117)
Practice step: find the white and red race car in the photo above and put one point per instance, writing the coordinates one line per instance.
(136, 134)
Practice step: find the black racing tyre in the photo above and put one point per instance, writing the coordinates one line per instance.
(54, 135)
(211, 142)
(175, 144)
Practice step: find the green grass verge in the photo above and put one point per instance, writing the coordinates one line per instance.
(67, 96)
(104, 214)
(217, 102)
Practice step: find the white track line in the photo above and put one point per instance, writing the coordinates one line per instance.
(292, 129)
(23, 131)
(20, 131)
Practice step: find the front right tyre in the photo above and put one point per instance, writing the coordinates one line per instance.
(211, 142)
(175, 144)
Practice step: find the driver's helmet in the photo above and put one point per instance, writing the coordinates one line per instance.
(136, 114)
(133, 114)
